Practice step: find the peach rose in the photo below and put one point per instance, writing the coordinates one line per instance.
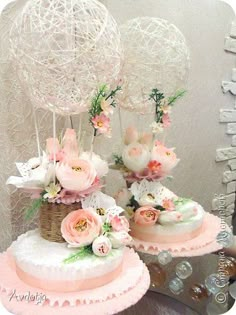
(78, 175)
(119, 223)
(146, 215)
(136, 157)
(166, 157)
(81, 227)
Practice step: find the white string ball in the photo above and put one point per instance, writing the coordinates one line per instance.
(156, 56)
(65, 49)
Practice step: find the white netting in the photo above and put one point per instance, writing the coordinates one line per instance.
(156, 56)
(63, 50)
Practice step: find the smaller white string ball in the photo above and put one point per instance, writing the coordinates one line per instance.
(156, 56)
(65, 49)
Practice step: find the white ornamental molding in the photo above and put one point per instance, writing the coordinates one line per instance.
(228, 116)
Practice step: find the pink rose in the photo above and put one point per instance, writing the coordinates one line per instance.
(131, 135)
(101, 246)
(166, 157)
(79, 175)
(70, 145)
(119, 223)
(119, 239)
(146, 215)
(168, 204)
(81, 227)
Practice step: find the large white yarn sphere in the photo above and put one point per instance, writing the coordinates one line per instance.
(65, 49)
(156, 56)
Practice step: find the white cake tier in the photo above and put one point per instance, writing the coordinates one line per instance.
(167, 230)
(40, 263)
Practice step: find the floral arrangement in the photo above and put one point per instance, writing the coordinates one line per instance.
(101, 108)
(163, 108)
(149, 203)
(63, 174)
(144, 158)
(96, 229)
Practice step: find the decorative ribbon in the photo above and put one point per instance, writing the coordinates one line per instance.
(68, 285)
(156, 238)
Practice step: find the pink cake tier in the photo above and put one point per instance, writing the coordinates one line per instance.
(111, 298)
(163, 217)
(167, 231)
(39, 263)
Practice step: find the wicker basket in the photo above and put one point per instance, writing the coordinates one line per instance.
(50, 218)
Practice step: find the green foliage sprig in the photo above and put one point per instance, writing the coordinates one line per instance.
(102, 94)
(158, 207)
(118, 159)
(106, 227)
(158, 98)
(33, 209)
(82, 253)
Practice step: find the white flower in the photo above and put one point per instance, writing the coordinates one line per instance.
(102, 204)
(148, 200)
(101, 246)
(52, 191)
(148, 193)
(136, 156)
(106, 107)
(119, 239)
(35, 174)
(101, 166)
(157, 127)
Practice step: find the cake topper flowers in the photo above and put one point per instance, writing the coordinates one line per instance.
(144, 158)
(163, 107)
(101, 109)
(96, 228)
(64, 174)
(152, 204)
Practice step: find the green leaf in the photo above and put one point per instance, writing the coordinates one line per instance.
(179, 94)
(133, 203)
(181, 201)
(31, 212)
(82, 253)
(118, 159)
(160, 208)
(106, 227)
